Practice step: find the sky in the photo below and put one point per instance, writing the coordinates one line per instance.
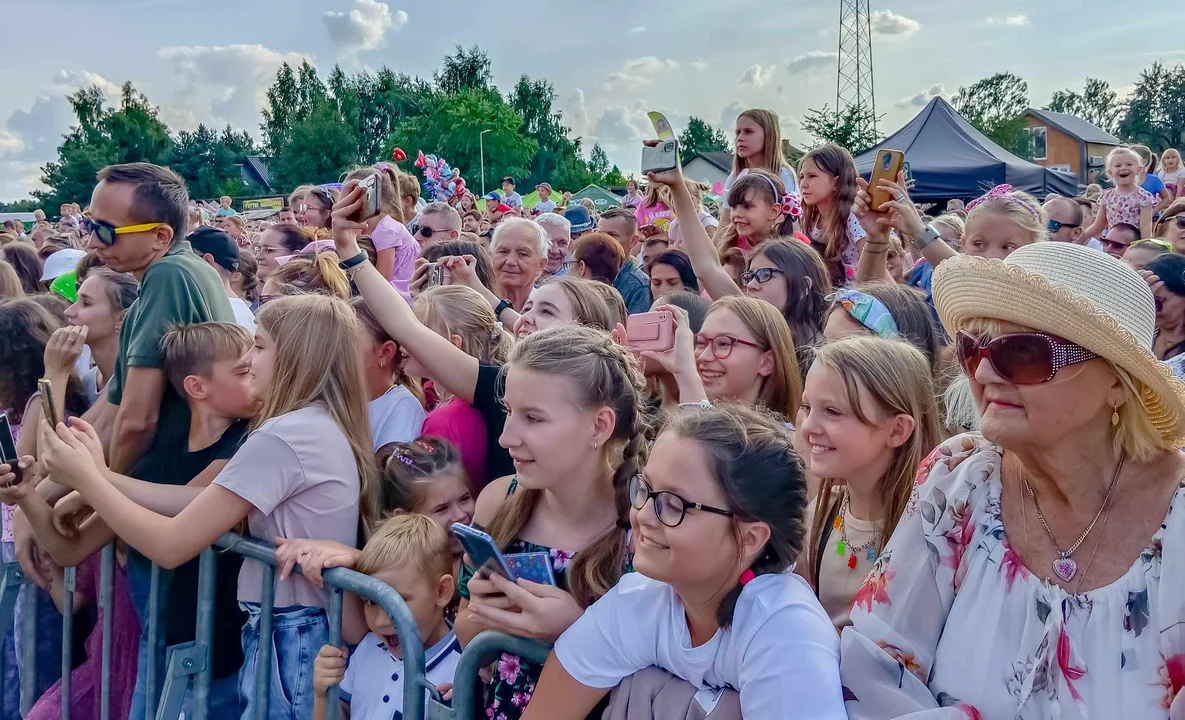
(610, 61)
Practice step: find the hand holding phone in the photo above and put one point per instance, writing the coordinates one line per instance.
(654, 331)
(8, 454)
(45, 387)
(887, 166)
(484, 553)
(660, 157)
(372, 188)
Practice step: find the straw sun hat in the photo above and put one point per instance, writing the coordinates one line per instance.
(1074, 292)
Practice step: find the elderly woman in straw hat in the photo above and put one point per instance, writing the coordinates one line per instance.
(1039, 569)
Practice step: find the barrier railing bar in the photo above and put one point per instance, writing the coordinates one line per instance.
(481, 651)
(185, 660)
(332, 702)
(263, 661)
(12, 580)
(204, 630)
(151, 697)
(107, 605)
(68, 584)
(29, 650)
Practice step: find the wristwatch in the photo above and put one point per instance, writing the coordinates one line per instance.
(927, 237)
(501, 307)
(353, 265)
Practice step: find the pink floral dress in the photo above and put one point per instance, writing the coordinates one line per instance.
(1126, 208)
(951, 624)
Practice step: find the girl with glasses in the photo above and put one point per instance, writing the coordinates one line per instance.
(743, 352)
(867, 419)
(577, 432)
(717, 522)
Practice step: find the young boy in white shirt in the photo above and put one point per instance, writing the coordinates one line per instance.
(411, 553)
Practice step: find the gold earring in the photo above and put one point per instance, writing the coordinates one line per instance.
(595, 444)
(1114, 418)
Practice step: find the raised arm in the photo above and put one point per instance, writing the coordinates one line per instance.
(451, 367)
(705, 259)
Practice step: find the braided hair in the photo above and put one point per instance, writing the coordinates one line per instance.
(761, 476)
(603, 374)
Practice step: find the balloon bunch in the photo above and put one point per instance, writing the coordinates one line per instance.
(441, 182)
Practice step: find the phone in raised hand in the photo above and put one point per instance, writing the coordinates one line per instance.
(8, 454)
(45, 387)
(372, 197)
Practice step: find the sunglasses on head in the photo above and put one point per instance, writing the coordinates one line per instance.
(106, 233)
(1023, 358)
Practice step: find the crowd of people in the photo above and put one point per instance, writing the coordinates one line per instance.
(812, 499)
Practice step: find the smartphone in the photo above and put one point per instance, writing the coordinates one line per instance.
(8, 454)
(907, 170)
(45, 387)
(372, 200)
(653, 331)
(534, 566)
(661, 157)
(438, 275)
(482, 551)
(888, 165)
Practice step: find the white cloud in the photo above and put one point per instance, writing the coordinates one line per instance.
(885, 22)
(364, 27)
(575, 113)
(230, 81)
(67, 81)
(757, 76)
(40, 128)
(638, 73)
(812, 62)
(639, 29)
(728, 116)
(18, 178)
(1009, 21)
(619, 125)
(700, 65)
(10, 144)
(922, 97)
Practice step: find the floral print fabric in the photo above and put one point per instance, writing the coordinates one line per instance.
(951, 624)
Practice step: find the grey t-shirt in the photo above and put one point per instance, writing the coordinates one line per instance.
(300, 474)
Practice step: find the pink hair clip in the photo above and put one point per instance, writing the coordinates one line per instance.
(998, 191)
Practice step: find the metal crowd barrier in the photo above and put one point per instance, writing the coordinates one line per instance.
(188, 665)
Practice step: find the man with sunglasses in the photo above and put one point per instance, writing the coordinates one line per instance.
(138, 222)
(1118, 238)
(1065, 220)
(438, 222)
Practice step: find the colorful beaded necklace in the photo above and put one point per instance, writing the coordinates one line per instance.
(842, 548)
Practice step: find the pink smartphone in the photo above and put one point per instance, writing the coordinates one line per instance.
(654, 331)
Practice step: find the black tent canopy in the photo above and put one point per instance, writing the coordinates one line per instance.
(949, 158)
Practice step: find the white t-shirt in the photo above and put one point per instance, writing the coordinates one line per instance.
(705, 219)
(545, 206)
(373, 685)
(781, 653)
(395, 416)
(243, 314)
(786, 174)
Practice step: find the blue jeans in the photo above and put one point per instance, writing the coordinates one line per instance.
(224, 693)
(297, 636)
(48, 654)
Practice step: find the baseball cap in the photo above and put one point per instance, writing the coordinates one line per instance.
(580, 218)
(217, 244)
(60, 263)
(508, 179)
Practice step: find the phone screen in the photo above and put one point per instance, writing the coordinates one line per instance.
(8, 454)
(482, 551)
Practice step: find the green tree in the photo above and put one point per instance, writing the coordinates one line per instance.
(598, 161)
(853, 129)
(535, 101)
(451, 130)
(290, 99)
(321, 147)
(209, 161)
(467, 70)
(994, 106)
(1155, 113)
(1098, 104)
(21, 206)
(572, 171)
(613, 177)
(699, 137)
(131, 132)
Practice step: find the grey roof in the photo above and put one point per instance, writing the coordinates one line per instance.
(1075, 126)
(720, 160)
(255, 171)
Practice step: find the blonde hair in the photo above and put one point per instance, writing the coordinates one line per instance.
(318, 273)
(592, 304)
(396, 186)
(408, 539)
(1019, 207)
(897, 378)
(462, 311)
(318, 360)
(772, 159)
(1134, 434)
(951, 222)
(602, 374)
(1170, 153)
(193, 349)
(781, 391)
(10, 282)
(1117, 151)
(237, 220)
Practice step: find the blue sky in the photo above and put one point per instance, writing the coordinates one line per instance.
(610, 61)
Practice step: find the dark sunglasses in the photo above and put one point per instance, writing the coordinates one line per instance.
(1024, 358)
(669, 508)
(107, 233)
(1053, 226)
(427, 232)
(1180, 221)
(761, 275)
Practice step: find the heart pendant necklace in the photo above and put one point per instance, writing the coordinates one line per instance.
(1064, 566)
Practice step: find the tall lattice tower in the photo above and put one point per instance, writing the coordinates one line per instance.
(853, 86)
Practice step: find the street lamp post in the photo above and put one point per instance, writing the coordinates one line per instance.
(482, 149)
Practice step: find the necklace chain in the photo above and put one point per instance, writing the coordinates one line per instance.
(1081, 538)
(843, 531)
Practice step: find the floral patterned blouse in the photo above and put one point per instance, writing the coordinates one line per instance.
(950, 623)
(510, 688)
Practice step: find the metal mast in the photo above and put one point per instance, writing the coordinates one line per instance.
(853, 87)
